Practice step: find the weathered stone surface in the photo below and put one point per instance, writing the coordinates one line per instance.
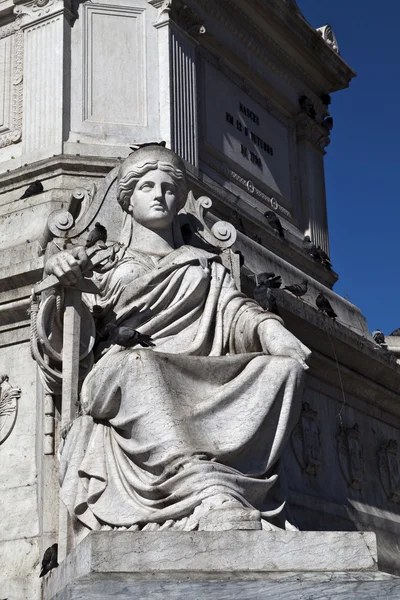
(292, 587)
(205, 555)
(245, 565)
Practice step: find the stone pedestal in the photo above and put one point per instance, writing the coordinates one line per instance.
(234, 564)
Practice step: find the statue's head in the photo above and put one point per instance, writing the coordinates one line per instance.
(151, 186)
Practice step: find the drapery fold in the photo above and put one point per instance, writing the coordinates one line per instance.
(204, 410)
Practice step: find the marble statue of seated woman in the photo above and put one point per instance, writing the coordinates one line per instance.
(184, 435)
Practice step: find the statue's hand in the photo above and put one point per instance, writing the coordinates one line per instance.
(67, 266)
(278, 341)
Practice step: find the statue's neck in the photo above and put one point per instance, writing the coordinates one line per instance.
(155, 242)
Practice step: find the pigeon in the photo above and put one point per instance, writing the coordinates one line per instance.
(138, 146)
(378, 337)
(269, 280)
(49, 560)
(311, 248)
(396, 332)
(297, 289)
(324, 306)
(274, 222)
(271, 305)
(128, 337)
(186, 232)
(34, 188)
(324, 258)
(265, 282)
(98, 234)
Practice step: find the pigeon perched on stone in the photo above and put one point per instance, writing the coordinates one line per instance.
(317, 253)
(298, 289)
(138, 146)
(271, 304)
(396, 333)
(98, 234)
(33, 189)
(324, 258)
(49, 560)
(265, 282)
(274, 222)
(128, 337)
(311, 248)
(324, 306)
(268, 279)
(378, 337)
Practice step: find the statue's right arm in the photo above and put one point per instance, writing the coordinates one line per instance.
(68, 266)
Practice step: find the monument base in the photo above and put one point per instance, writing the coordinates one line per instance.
(224, 565)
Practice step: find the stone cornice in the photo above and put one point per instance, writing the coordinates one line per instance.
(41, 10)
(257, 40)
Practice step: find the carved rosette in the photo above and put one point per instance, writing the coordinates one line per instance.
(9, 397)
(306, 440)
(389, 469)
(351, 456)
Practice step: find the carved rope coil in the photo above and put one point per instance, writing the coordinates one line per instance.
(47, 316)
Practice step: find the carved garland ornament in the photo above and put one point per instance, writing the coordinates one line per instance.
(13, 134)
(351, 456)
(9, 397)
(389, 469)
(306, 440)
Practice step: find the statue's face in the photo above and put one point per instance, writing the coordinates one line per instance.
(154, 202)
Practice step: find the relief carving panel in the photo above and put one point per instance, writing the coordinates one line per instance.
(11, 73)
(351, 456)
(389, 469)
(306, 440)
(9, 397)
(114, 82)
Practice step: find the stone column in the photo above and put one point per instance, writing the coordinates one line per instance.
(46, 27)
(178, 94)
(311, 141)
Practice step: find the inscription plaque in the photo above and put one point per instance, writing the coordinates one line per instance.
(247, 134)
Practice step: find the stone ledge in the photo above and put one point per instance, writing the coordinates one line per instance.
(139, 556)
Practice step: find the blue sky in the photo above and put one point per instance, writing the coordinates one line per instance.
(362, 165)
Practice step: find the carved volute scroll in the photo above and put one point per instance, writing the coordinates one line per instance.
(9, 397)
(87, 206)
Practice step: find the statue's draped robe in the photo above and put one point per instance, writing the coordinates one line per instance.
(204, 412)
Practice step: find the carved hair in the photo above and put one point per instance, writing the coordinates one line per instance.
(126, 184)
